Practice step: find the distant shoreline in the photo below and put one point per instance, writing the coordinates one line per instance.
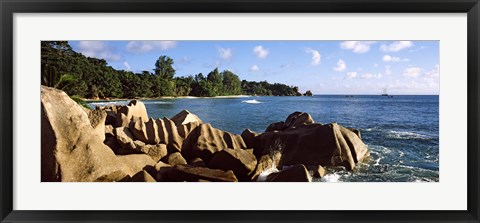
(239, 96)
(165, 97)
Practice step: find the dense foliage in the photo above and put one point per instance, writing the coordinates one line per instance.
(92, 78)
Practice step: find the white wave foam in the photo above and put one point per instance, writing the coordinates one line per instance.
(406, 135)
(263, 175)
(332, 177)
(253, 101)
(370, 129)
(423, 180)
(107, 103)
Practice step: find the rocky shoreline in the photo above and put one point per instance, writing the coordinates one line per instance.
(122, 144)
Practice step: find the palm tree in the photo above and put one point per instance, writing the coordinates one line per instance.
(51, 78)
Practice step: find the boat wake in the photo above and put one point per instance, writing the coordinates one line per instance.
(251, 101)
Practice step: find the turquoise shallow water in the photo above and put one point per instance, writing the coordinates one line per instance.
(402, 132)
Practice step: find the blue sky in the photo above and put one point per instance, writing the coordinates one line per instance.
(325, 67)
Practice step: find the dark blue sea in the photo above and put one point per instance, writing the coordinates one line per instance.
(402, 132)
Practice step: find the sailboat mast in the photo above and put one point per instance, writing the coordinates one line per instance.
(385, 92)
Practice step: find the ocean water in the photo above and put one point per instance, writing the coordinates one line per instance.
(402, 132)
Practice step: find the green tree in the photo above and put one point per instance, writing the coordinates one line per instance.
(51, 78)
(231, 83)
(183, 85)
(216, 81)
(164, 67)
(164, 72)
(83, 76)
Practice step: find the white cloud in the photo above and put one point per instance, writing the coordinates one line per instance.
(433, 73)
(388, 70)
(147, 46)
(388, 58)
(341, 66)
(396, 46)
(351, 75)
(98, 49)
(260, 52)
(415, 86)
(375, 65)
(127, 66)
(185, 60)
(225, 53)
(254, 68)
(418, 49)
(316, 57)
(357, 46)
(412, 71)
(370, 76)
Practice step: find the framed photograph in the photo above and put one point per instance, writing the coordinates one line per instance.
(199, 111)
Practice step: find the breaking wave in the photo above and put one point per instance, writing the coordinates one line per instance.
(331, 177)
(406, 135)
(263, 175)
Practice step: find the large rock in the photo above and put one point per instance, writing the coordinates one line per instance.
(162, 131)
(293, 120)
(249, 137)
(168, 134)
(296, 173)
(297, 119)
(161, 165)
(266, 162)
(162, 169)
(318, 171)
(137, 162)
(276, 126)
(174, 159)
(142, 176)
(241, 162)
(116, 176)
(133, 109)
(145, 131)
(185, 117)
(313, 144)
(132, 148)
(197, 162)
(124, 137)
(184, 130)
(113, 144)
(111, 111)
(97, 121)
(205, 140)
(71, 150)
(156, 152)
(109, 131)
(187, 173)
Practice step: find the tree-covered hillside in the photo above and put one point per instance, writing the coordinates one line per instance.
(89, 77)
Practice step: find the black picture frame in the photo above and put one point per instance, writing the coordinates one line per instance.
(9, 7)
